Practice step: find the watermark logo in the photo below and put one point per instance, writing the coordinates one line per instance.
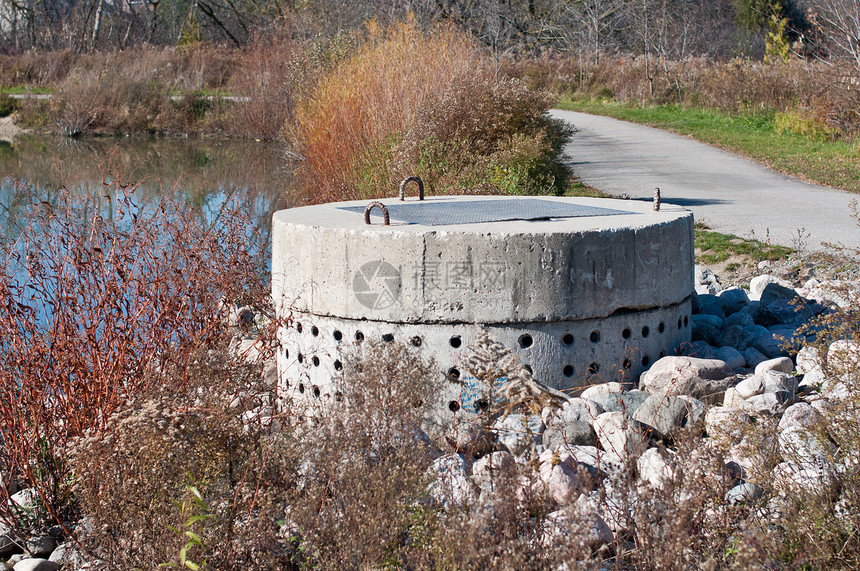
(377, 285)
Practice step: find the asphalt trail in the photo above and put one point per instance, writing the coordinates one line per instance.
(730, 194)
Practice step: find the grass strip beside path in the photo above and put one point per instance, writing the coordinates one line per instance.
(831, 163)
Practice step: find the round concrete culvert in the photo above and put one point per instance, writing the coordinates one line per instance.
(578, 287)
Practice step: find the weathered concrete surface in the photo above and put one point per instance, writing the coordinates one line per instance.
(328, 262)
(729, 193)
(581, 300)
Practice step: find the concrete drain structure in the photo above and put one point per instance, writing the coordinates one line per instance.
(587, 290)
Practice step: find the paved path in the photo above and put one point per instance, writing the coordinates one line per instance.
(729, 193)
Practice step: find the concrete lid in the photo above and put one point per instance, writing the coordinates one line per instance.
(327, 261)
(483, 214)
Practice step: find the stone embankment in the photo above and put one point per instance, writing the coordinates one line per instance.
(738, 384)
(739, 390)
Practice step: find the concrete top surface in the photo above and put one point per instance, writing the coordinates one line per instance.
(486, 214)
(327, 261)
(729, 193)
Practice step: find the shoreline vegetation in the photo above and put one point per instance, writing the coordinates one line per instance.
(140, 418)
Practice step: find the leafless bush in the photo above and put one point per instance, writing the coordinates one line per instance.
(97, 293)
(271, 71)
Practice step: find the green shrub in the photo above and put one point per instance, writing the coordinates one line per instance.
(8, 105)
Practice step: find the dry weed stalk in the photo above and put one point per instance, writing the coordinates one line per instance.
(97, 296)
(507, 380)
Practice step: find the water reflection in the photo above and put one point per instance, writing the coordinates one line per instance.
(203, 172)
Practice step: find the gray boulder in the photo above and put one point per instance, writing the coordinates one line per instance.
(707, 328)
(700, 378)
(579, 409)
(753, 356)
(780, 304)
(732, 300)
(697, 349)
(572, 433)
(519, 432)
(759, 283)
(664, 414)
(780, 364)
(767, 404)
(741, 319)
(621, 435)
(732, 357)
(724, 421)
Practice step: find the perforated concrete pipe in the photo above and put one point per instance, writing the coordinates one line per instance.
(586, 290)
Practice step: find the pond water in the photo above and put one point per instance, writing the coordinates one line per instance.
(203, 172)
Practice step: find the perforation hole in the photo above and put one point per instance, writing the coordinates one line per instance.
(315, 331)
(662, 354)
(482, 405)
(300, 358)
(526, 341)
(679, 323)
(455, 341)
(686, 321)
(388, 337)
(567, 371)
(567, 339)
(416, 341)
(595, 336)
(626, 364)
(453, 406)
(626, 333)
(316, 392)
(453, 374)
(662, 327)
(528, 368)
(301, 388)
(316, 361)
(337, 335)
(359, 336)
(645, 360)
(299, 327)
(338, 366)
(286, 353)
(646, 331)
(593, 368)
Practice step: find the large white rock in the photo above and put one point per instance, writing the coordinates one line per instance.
(780, 364)
(579, 410)
(451, 485)
(35, 564)
(750, 386)
(621, 435)
(686, 376)
(588, 532)
(654, 470)
(725, 422)
(519, 432)
(560, 481)
(808, 360)
(844, 357)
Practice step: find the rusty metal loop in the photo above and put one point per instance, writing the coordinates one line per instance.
(385, 219)
(406, 181)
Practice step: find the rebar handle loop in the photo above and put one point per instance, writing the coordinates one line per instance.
(406, 181)
(385, 219)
